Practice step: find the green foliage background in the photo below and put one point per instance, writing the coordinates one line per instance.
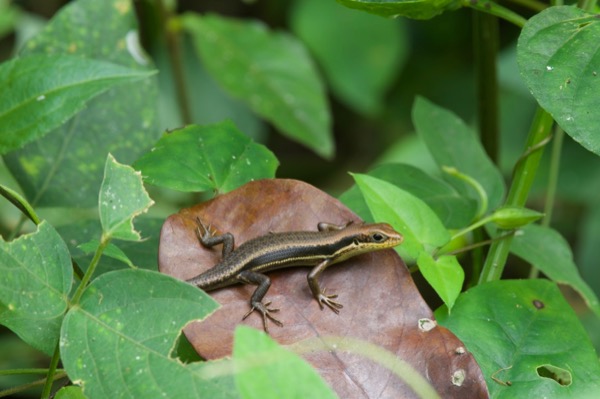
(371, 91)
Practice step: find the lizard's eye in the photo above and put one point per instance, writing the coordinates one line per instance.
(378, 237)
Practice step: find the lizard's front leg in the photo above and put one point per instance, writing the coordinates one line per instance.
(208, 239)
(263, 282)
(318, 293)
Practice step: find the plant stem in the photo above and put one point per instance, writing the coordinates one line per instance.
(559, 134)
(531, 4)
(553, 173)
(173, 38)
(24, 387)
(587, 5)
(51, 373)
(554, 169)
(477, 255)
(26, 371)
(525, 171)
(478, 244)
(90, 270)
(84, 282)
(485, 43)
(492, 8)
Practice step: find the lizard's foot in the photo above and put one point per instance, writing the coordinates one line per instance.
(324, 299)
(266, 314)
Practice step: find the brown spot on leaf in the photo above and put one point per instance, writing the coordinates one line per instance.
(381, 303)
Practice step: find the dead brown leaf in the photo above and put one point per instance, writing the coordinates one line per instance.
(381, 303)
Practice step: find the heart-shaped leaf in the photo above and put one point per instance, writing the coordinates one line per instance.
(117, 341)
(199, 158)
(519, 331)
(380, 300)
(559, 58)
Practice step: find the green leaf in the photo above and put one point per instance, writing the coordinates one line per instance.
(549, 252)
(359, 67)
(70, 392)
(453, 210)
(559, 58)
(35, 280)
(421, 228)
(415, 9)
(117, 342)
(517, 330)
(444, 274)
(64, 168)
(453, 144)
(199, 158)
(209, 105)
(268, 371)
(270, 71)
(111, 251)
(46, 91)
(122, 197)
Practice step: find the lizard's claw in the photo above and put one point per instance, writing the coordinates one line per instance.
(263, 308)
(324, 299)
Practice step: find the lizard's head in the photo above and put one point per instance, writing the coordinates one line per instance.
(361, 238)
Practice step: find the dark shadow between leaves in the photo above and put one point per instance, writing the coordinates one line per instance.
(381, 303)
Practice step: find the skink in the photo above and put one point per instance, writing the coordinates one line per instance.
(248, 263)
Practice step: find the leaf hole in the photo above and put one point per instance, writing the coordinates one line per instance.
(560, 375)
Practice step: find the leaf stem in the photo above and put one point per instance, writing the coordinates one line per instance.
(50, 377)
(525, 171)
(478, 244)
(492, 8)
(21, 203)
(90, 270)
(472, 227)
(483, 198)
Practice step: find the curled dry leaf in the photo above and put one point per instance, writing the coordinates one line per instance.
(381, 303)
